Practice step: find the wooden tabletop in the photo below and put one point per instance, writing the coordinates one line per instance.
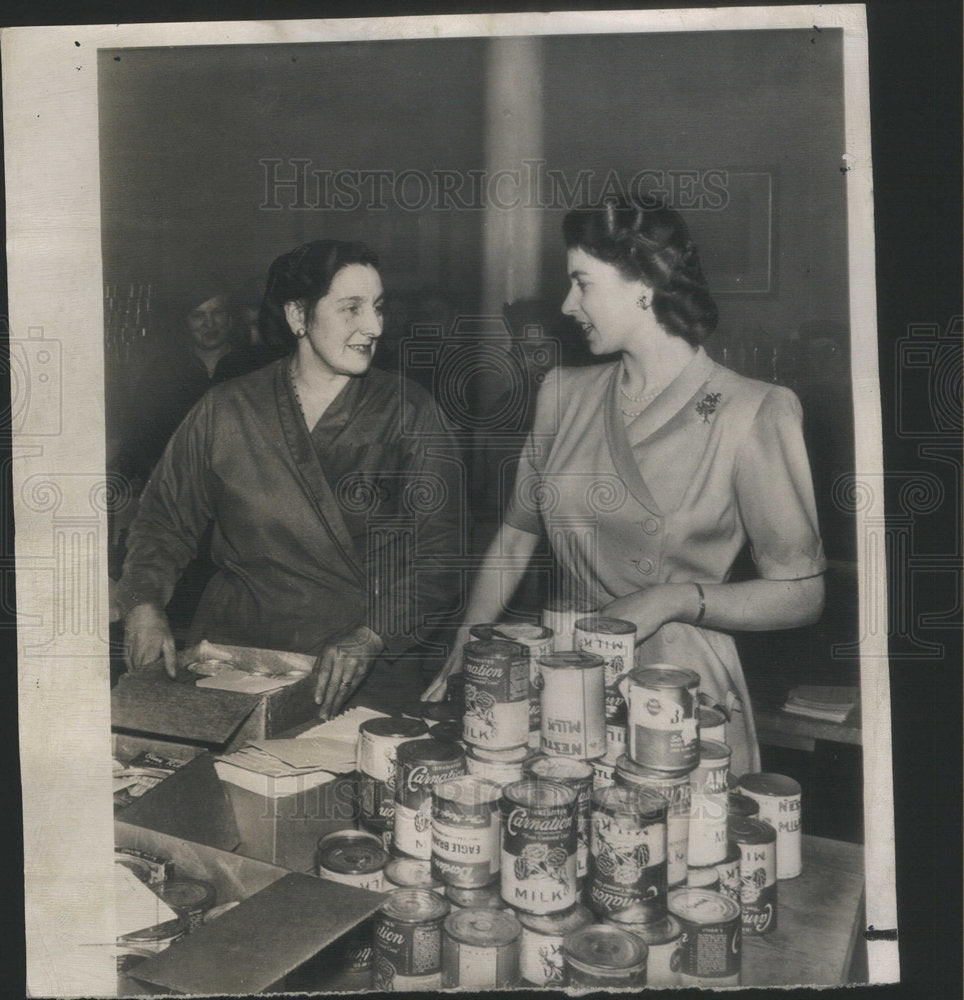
(819, 917)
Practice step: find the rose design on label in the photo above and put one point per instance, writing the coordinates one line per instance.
(480, 704)
(552, 970)
(626, 866)
(423, 817)
(539, 859)
(753, 885)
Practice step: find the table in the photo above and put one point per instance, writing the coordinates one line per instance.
(819, 916)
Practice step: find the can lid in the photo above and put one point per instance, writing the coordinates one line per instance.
(769, 784)
(658, 932)
(427, 752)
(710, 718)
(739, 804)
(137, 865)
(167, 931)
(523, 632)
(481, 925)
(557, 923)
(449, 731)
(701, 906)
(640, 802)
(485, 895)
(561, 769)
(352, 855)
(664, 675)
(571, 661)
(187, 894)
(639, 773)
(411, 873)
(605, 950)
(608, 626)
(537, 794)
(394, 725)
(714, 752)
(494, 649)
(468, 790)
(749, 830)
(412, 906)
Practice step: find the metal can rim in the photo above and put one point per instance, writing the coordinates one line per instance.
(504, 926)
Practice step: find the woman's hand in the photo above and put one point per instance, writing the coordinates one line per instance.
(650, 609)
(453, 665)
(148, 638)
(343, 664)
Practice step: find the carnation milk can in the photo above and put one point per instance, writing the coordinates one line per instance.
(496, 694)
(577, 775)
(420, 764)
(378, 741)
(757, 843)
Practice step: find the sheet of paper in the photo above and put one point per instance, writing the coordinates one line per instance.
(135, 905)
(238, 680)
(333, 754)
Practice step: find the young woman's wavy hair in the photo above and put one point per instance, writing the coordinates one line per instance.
(304, 275)
(652, 245)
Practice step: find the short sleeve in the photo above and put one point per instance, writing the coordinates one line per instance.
(523, 511)
(774, 490)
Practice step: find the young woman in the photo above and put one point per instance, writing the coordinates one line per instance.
(651, 471)
(317, 472)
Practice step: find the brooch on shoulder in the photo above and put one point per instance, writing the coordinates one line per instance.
(706, 407)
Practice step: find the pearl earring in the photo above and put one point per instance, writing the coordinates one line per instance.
(300, 332)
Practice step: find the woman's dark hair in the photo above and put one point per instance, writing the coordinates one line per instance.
(304, 275)
(652, 245)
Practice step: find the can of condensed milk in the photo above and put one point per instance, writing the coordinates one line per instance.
(577, 775)
(496, 694)
(711, 941)
(709, 807)
(352, 857)
(615, 641)
(411, 873)
(604, 957)
(480, 949)
(541, 961)
(573, 705)
(779, 800)
(420, 764)
(756, 843)
(664, 953)
(408, 941)
(466, 831)
(538, 846)
(378, 741)
(662, 724)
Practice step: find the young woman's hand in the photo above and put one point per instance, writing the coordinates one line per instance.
(148, 638)
(343, 664)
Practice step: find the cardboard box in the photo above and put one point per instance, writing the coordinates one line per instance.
(283, 920)
(149, 711)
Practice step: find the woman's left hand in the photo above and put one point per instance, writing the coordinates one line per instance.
(651, 608)
(344, 663)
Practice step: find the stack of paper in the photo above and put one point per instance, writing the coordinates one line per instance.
(284, 767)
(831, 704)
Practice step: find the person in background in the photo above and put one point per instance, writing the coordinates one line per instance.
(673, 460)
(332, 512)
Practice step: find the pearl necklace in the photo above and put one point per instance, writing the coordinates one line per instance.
(645, 399)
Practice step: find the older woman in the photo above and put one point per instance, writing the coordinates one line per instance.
(651, 471)
(331, 517)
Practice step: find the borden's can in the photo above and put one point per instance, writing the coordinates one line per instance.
(664, 953)
(480, 949)
(352, 858)
(411, 873)
(465, 831)
(602, 955)
(496, 694)
(675, 788)
(708, 813)
(615, 641)
(779, 800)
(538, 846)
(627, 860)
(756, 842)
(663, 728)
(711, 938)
(378, 741)
(408, 941)
(577, 775)
(573, 707)
(420, 764)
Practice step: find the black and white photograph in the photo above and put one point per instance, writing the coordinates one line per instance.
(454, 542)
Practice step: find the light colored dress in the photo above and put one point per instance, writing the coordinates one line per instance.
(672, 497)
